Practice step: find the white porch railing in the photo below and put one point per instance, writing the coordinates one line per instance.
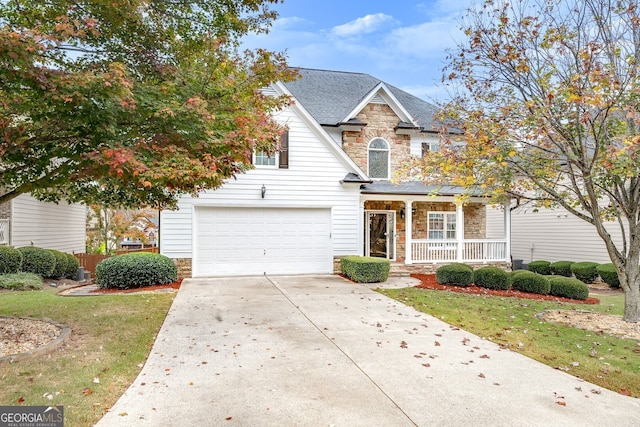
(447, 251)
(4, 231)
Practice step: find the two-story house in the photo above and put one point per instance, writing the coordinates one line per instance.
(330, 192)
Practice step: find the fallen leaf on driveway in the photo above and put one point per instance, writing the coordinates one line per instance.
(403, 344)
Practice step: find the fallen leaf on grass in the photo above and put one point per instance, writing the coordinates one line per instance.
(20, 400)
(87, 391)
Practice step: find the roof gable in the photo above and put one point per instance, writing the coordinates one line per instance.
(334, 97)
(322, 135)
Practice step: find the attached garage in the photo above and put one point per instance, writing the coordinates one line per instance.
(245, 241)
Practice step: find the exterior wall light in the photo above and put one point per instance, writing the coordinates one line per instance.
(263, 191)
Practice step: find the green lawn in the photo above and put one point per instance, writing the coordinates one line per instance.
(610, 362)
(110, 340)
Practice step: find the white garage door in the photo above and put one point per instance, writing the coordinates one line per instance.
(240, 241)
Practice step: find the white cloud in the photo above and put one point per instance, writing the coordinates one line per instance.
(289, 22)
(425, 40)
(365, 25)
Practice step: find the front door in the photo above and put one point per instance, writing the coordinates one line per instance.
(380, 238)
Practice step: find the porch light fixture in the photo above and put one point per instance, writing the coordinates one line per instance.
(263, 191)
(413, 212)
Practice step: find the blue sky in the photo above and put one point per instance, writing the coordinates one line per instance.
(401, 42)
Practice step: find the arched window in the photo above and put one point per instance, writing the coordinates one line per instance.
(379, 159)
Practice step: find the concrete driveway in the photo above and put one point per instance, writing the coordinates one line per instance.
(322, 351)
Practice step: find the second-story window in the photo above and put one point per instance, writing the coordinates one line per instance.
(379, 159)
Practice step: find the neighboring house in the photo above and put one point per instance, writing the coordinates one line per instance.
(329, 192)
(552, 235)
(25, 221)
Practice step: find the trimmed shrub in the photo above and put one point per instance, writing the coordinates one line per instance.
(365, 269)
(540, 267)
(561, 268)
(20, 281)
(492, 278)
(10, 260)
(455, 274)
(135, 270)
(73, 264)
(568, 287)
(37, 261)
(608, 274)
(585, 271)
(61, 265)
(531, 282)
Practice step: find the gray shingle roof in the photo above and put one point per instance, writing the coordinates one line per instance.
(330, 95)
(413, 188)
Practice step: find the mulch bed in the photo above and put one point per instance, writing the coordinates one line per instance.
(174, 285)
(428, 281)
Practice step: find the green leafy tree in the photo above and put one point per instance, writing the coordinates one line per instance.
(546, 94)
(132, 103)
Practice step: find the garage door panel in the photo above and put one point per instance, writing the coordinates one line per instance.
(237, 241)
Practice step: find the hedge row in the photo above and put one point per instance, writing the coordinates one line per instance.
(586, 272)
(46, 263)
(523, 280)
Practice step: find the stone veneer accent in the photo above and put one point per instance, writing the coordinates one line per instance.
(184, 267)
(5, 210)
(474, 220)
(381, 122)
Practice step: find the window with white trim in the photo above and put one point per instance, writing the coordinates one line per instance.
(441, 226)
(279, 159)
(262, 158)
(429, 147)
(378, 161)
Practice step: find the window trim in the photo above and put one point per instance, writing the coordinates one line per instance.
(387, 150)
(280, 157)
(444, 230)
(256, 165)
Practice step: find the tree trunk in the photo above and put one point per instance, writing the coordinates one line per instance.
(629, 276)
(632, 301)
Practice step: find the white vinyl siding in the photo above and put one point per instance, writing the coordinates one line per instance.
(48, 225)
(552, 235)
(311, 181)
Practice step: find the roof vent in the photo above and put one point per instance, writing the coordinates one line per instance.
(378, 100)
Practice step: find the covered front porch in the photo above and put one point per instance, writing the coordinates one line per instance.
(422, 231)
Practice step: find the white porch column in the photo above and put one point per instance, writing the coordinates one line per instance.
(459, 231)
(507, 230)
(361, 226)
(408, 231)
